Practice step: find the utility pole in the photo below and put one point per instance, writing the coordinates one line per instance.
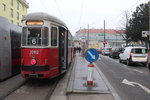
(104, 34)
(88, 38)
(149, 18)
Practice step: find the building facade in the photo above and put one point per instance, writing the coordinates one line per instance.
(113, 38)
(13, 10)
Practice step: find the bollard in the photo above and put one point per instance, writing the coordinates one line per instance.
(90, 74)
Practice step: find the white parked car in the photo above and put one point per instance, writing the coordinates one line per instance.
(133, 55)
(106, 50)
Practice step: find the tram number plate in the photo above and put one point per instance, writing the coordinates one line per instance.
(33, 75)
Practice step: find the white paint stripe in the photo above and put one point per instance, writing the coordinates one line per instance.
(90, 74)
(138, 71)
(125, 81)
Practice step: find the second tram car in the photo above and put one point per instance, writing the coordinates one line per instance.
(10, 53)
(46, 46)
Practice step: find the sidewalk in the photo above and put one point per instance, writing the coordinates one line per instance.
(75, 88)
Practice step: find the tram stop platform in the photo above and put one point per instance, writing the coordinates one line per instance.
(76, 87)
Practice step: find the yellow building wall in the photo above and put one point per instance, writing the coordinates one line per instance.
(7, 13)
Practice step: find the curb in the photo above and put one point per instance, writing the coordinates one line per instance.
(71, 78)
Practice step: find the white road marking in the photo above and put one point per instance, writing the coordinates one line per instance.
(138, 71)
(125, 81)
(92, 56)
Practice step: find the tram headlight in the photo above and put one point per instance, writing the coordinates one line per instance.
(33, 61)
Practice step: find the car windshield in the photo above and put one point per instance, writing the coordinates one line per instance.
(139, 50)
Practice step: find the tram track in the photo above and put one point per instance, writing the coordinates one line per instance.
(8, 86)
(34, 90)
(50, 92)
(11, 91)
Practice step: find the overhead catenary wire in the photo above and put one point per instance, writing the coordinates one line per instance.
(44, 5)
(80, 16)
(56, 6)
(59, 9)
(133, 6)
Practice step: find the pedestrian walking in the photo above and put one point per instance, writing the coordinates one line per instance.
(75, 50)
(79, 49)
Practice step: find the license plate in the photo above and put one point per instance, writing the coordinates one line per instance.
(33, 75)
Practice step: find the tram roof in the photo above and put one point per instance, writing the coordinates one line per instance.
(42, 16)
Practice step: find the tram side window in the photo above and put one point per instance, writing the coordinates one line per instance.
(35, 36)
(53, 36)
(44, 36)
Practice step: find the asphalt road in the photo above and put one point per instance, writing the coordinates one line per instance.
(130, 82)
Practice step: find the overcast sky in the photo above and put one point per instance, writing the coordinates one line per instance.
(79, 13)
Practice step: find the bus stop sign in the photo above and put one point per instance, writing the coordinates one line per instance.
(91, 55)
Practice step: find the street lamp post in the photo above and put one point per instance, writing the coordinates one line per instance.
(149, 19)
(88, 37)
(104, 34)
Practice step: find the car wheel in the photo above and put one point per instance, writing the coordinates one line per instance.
(145, 64)
(110, 56)
(128, 62)
(120, 60)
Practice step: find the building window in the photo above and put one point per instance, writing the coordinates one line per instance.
(17, 5)
(11, 2)
(12, 21)
(11, 12)
(17, 15)
(23, 7)
(3, 7)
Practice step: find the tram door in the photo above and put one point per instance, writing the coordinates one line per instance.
(63, 45)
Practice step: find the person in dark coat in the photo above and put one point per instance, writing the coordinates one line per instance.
(75, 49)
(79, 49)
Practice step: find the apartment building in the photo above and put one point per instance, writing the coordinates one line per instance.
(13, 10)
(94, 38)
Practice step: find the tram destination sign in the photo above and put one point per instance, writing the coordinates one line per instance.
(91, 55)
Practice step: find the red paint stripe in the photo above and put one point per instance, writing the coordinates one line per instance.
(89, 82)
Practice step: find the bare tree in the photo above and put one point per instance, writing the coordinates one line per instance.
(123, 25)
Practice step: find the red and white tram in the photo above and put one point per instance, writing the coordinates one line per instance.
(46, 48)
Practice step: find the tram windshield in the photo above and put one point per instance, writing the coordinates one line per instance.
(35, 36)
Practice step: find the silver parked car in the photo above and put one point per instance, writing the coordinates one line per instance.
(106, 50)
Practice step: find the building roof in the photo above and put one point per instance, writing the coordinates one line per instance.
(91, 31)
(24, 3)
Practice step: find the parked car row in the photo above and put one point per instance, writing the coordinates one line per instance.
(130, 54)
(111, 52)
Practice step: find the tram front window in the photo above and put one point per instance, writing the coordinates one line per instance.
(35, 36)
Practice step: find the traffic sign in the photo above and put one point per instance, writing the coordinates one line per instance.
(91, 55)
(100, 34)
(104, 42)
(145, 33)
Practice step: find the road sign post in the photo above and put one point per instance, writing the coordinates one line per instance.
(91, 55)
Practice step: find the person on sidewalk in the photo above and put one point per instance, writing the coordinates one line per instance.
(75, 50)
(79, 49)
